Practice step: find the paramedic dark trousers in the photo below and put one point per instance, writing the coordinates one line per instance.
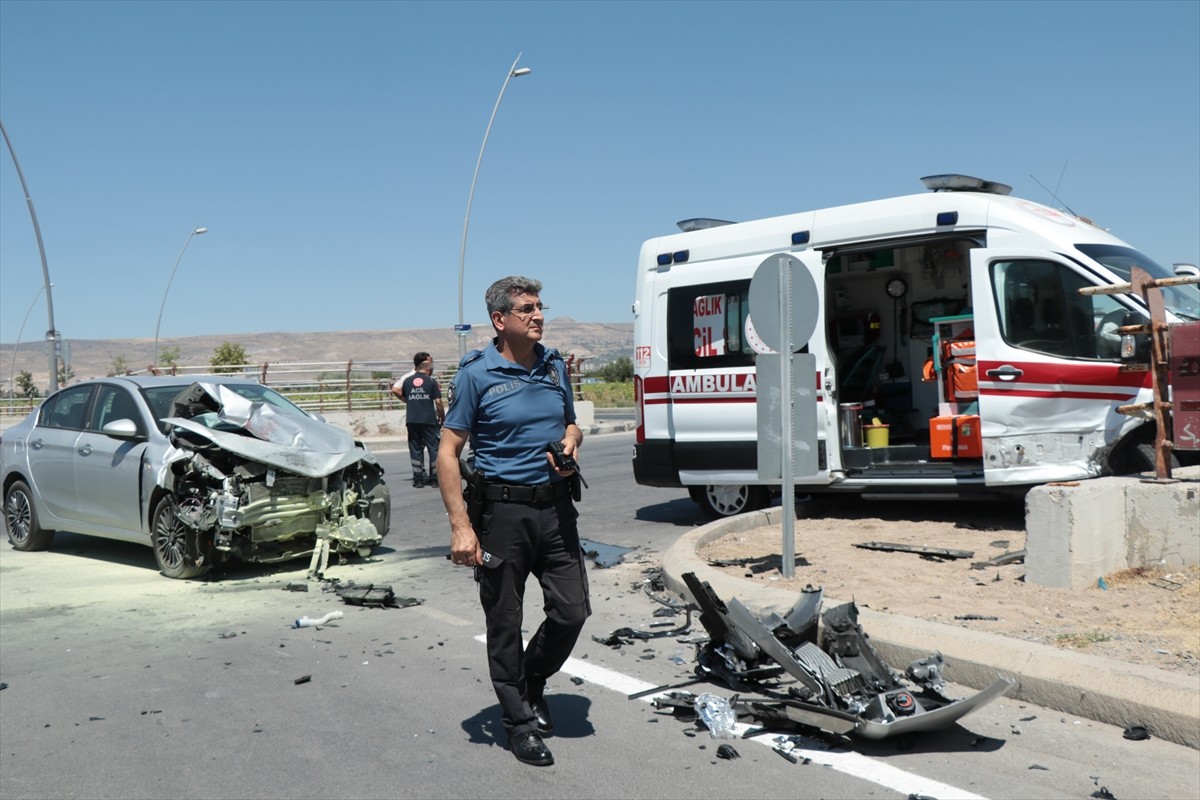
(542, 539)
(423, 439)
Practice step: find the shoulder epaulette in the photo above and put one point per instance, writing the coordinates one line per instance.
(470, 357)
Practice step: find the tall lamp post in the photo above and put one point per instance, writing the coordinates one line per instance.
(461, 328)
(195, 232)
(12, 370)
(51, 332)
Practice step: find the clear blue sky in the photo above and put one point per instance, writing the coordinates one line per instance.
(329, 147)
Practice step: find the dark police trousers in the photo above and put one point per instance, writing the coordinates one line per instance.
(519, 539)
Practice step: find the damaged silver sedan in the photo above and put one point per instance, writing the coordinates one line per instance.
(204, 469)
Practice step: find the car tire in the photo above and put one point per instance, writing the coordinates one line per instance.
(718, 501)
(21, 520)
(176, 546)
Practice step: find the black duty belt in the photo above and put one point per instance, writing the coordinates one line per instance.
(544, 493)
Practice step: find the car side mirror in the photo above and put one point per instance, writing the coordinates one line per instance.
(121, 429)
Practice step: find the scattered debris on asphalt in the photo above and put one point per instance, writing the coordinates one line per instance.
(604, 555)
(302, 679)
(374, 596)
(841, 685)
(309, 622)
(670, 607)
(296, 587)
(935, 553)
(728, 752)
(1136, 733)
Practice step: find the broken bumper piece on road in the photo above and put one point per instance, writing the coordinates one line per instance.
(842, 686)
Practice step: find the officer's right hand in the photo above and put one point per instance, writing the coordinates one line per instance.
(465, 550)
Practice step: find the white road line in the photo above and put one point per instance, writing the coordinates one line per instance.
(845, 761)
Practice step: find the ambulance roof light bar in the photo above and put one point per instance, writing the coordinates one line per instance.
(701, 223)
(963, 183)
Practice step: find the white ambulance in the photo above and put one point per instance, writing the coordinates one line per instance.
(955, 355)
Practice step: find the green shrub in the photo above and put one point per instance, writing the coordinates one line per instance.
(609, 395)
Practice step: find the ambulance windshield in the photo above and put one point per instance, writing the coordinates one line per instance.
(1182, 301)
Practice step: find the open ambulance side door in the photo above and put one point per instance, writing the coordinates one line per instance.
(1048, 367)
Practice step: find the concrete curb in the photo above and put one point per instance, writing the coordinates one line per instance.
(1167, 704)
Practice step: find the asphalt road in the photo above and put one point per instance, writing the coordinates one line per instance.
(122, 683)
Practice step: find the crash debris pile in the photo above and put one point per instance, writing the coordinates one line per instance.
(839, 684)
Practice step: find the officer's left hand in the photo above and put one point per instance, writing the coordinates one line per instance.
(570, 449)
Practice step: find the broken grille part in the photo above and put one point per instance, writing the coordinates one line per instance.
(844, 685)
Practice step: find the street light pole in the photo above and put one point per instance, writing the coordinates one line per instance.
(52, 332)
(195, 232)
(460, 329)
(12, 370)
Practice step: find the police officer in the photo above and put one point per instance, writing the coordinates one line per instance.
(511, 400)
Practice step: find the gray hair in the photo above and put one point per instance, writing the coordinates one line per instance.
(499, 295)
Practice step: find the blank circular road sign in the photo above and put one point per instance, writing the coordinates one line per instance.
(765, 306)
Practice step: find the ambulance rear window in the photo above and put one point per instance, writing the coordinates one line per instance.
(706, 326)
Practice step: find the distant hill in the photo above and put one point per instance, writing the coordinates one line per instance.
(596, 342)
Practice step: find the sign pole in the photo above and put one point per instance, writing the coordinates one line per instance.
(788, 481)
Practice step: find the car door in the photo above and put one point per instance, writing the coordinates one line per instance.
(109, 480)
(52, 451)
(1050, 378)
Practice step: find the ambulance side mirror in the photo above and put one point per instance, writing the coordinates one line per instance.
(1135, 347)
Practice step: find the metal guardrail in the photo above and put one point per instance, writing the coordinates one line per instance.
(313, 385)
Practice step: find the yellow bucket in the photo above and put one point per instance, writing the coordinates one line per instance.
(876, 435)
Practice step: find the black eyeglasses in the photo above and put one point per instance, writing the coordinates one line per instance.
(528, 309)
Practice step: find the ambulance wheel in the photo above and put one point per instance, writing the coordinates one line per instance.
(725, 500)
(1138, 455)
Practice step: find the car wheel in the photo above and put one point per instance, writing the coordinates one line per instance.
(379, 504)
(726, 500)
(175, 545)
(21, 520)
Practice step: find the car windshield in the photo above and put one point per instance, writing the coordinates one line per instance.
(1182, 301)
(159, 398)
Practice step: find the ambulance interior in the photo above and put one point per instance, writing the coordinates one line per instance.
(899, 331)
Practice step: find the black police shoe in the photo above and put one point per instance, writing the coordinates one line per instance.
(529, 748)
(418, 483)
(541, 712)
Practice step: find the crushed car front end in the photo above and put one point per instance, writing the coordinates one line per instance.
(249, 479)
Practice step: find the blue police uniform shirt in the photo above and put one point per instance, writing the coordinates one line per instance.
(512, 414)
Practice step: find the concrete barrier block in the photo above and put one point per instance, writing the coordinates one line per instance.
(1074, 533)
(1163, 523)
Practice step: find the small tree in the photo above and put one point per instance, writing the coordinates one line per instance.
(66, 373)
(228, 357)
(169, 357)
(117, 365)
(25, 384)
